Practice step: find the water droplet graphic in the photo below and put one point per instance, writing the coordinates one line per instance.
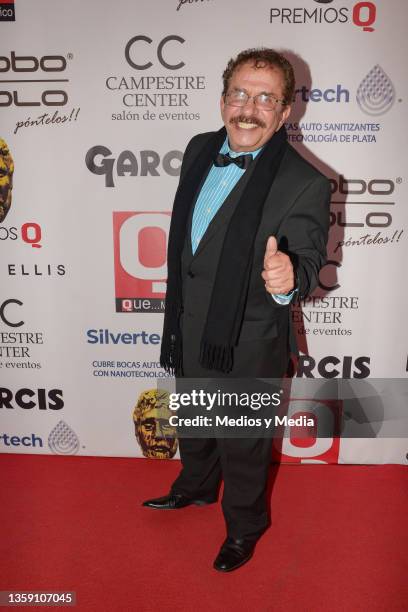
(63, 440)
(375, 94)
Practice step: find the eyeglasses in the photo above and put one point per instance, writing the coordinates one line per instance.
(264, 101)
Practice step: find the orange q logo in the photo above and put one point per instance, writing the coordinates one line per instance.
(140, 240)
(319, 444)
(6, 179)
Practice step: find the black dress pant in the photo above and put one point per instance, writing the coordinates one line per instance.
(242, 463)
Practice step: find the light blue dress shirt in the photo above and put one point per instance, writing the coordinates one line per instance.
(219, 183)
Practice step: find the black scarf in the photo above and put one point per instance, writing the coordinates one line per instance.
(226, 310)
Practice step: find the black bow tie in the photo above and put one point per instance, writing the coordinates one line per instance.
(242, 161)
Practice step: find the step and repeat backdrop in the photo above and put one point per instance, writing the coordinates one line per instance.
(98, 101)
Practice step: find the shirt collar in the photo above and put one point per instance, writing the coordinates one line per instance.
(226, 149)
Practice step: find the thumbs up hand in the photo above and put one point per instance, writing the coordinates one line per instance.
(278, 271)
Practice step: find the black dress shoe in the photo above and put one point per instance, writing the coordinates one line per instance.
(233, 554)
(174, 501)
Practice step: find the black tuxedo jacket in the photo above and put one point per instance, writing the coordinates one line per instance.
(296, 212)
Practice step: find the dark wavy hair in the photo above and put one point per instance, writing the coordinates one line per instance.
(261, 58)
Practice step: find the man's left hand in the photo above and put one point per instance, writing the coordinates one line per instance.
(278, 271)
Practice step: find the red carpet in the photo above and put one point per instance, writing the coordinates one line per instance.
(338, 541)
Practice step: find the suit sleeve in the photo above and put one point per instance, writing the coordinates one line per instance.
(303, 234)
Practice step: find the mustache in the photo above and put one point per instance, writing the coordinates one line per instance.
(245, 119)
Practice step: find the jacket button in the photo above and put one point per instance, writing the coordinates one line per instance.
(190, 274)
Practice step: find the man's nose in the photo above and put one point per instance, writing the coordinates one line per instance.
(249, 107)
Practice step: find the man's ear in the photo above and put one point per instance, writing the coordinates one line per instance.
(285, 114)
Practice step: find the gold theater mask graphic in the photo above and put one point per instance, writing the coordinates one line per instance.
(156, 437)
(6, 179)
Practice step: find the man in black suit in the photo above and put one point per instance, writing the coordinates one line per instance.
(249, 231)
